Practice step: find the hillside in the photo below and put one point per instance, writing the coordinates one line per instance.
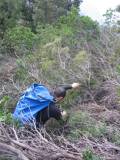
(50, 42)
(92, 132)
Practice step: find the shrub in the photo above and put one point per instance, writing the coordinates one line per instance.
(19, 40)
(21, 72)
(3, 109)
(89, 155)
(82, 124)
(5, 113)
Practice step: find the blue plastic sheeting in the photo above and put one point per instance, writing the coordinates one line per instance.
(33, 100)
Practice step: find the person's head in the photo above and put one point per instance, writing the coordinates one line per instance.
(59, 93)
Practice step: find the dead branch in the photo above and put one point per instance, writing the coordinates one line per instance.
(34, 144)
(4, 148)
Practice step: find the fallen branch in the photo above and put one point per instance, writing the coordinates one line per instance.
(4, 149)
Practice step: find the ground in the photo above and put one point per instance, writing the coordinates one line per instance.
(106, 143)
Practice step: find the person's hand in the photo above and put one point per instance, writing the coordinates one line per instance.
(65, 116)
(64, 113)
(75, 85)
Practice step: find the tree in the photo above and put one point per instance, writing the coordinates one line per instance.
(27, 12)
(118, 10)
(37, 12)
(112, 16)
(109, 16)
(76, 3)
(9, 13)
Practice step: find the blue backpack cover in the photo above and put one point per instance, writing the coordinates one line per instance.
(33, 100)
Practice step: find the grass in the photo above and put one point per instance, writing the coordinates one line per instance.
(82, 124)
(89, 155)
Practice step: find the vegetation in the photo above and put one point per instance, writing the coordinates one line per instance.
(88, 155)
(52, 43)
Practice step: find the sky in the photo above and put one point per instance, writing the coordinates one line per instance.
(96, 8)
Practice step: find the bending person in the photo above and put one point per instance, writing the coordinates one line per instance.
(37, 104)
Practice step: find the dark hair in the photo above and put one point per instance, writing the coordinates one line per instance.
(60, 92)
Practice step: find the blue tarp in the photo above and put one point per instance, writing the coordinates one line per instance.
(33, 100)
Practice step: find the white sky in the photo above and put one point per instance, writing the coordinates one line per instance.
(96, 8)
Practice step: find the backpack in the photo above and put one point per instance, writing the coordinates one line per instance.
(34, 99)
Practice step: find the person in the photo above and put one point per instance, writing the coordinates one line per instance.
(37, 104)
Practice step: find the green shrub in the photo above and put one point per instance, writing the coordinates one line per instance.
(71, 18)
(88, 23)
(19, 40)
(89, 155)
(3, 108)
(5, 114)
(114, 135)
(71, 97)
(21, 71)
(82, 124)
(47, 33)
(118, 69)
(80, 57)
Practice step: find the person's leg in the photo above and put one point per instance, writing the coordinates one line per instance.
(58, 114)
(55, 112)
(41, 117)
(50, 112)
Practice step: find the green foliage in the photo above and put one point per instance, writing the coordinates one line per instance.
(109, 16)
(118, 91)
(90, 27)
(75, 26)
(70, 99)
(71, 18)
(69, 28)
(3, 101)
(27, 14)
(37, 12)
(118, 69)
(92, 82)
(64, 27)
(9, 13)
(47, 64)
(115, 137)
(48, 11)
(21, 72)
(47, 33)
(32, 13)
(19, 40)
(76, 3)
(3, 109)
(83, 124)
(80, 57)
(89, 155)
(112, 18)
(88, 23)
(5, 114)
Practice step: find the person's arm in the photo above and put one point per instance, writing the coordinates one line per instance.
(71, 86)
(75, 85)
(58, 114)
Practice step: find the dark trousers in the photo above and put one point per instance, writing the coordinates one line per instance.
(51, 111)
